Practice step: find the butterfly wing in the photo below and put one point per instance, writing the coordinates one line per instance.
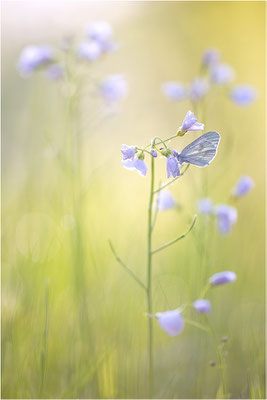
(202, 150)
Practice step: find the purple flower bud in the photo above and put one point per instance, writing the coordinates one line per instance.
(172, 167)
(136, 163)
(222, 74)
(55, 72)
(171, 322)
(198, 89)
(100, 31)
(174, 90)
(89, 51)
(203, 306)
(211, 56)
(128, 152)
(190, 123)
(222, 278)
(243, 95)
(243, 186)
(226, 217)
(33, 57)
(154, 153)
(166, 200)
(205, 206)
(114, 88)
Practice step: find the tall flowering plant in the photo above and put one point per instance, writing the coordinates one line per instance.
(73, 67)
(198, 153)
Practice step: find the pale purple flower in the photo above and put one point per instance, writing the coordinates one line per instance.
(198, 89)
(166, 200)
(222, 278)
(114, 88)
(136, 163)
(174, 90)
(243, 95)
(55, 72)
(128, 152)
(226, 217)
(222, 74)
(33, 57)
(100, 31)
(211, 56)
(205, 206)
(171, 322)
(89, 51)
(190, 123)
(154, 153)
(243, 186)
(203, 306)
(172, 166)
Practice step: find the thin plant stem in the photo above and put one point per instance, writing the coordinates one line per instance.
(178, 238)
(221, 360)
(149, 282)
(173, 180)
(156, 210)
(125, 267)
(44, 341)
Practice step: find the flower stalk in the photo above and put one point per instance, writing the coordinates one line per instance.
(149, 281)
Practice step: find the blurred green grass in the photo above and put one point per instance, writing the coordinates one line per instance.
(95, 344)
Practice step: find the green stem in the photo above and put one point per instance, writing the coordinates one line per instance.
(221, 359)
(125, 267)
(161, 141)
(178, 238)
(44, 341)
(173, 180)
(149, 282)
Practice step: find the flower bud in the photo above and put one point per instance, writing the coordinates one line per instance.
(202, 306)
(222, 278)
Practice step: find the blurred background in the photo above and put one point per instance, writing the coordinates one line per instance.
(73, 323)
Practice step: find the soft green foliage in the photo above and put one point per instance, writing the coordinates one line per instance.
(73, 323)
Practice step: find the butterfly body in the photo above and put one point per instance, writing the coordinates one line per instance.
(201, 151)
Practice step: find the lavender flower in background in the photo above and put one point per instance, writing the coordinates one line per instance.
(243, 95)
(211, 56)
(128, 152)
(114, 88)
(226, 217)
(171, 322)
(137, 164)
(89, 51)
(172, 166)
(222, 74)
(101, 32)
(198, 89)
(190, 124)
(55, 72)
(33, 57)
(174, 90)
(222, 278)
(202, 306)
(166, 200)
(243, 186)
(205, 206)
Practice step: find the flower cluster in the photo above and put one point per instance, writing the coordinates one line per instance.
(34, 57)
(213, 72)
(133, 157)
(173, 322)
(98, 42)
(226, 215)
